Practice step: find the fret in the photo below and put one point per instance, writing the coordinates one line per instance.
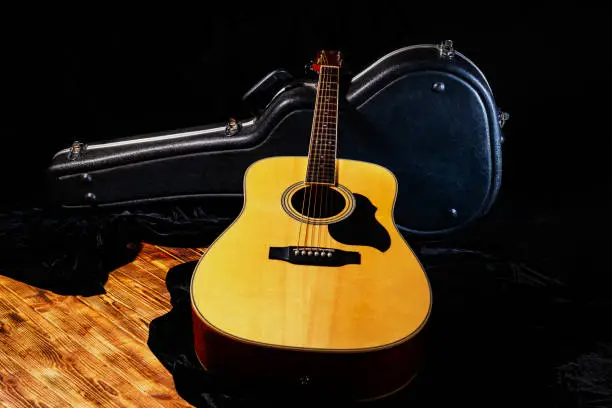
(319, 177)
(321, 166)
(322, 173)
(326, 166)
(329, 154)
(323, 163)
(322, 181)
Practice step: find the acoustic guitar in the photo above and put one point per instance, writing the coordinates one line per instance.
(312, 287)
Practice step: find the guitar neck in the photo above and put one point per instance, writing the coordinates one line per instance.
(324, 135)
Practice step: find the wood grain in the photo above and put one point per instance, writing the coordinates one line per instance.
(239, 291)
(91, 351)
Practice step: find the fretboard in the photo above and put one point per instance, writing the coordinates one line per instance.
(323, 137)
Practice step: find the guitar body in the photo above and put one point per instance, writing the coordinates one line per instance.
(348, 319)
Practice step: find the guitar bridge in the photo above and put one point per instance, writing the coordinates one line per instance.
(314, 256)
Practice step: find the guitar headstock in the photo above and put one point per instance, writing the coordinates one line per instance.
(324, 57)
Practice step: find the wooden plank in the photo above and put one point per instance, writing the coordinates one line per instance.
(20, 387)
(155, 261)
(47, 349)
(156, 256)
(88, 351)
(141, 300)
(106, 341)
(103, 345)
(122, 315)
(145, 283)
(181, 254)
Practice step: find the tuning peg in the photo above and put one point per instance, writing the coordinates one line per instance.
(308, 69)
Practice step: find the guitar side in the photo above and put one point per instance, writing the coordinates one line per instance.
(356, 328)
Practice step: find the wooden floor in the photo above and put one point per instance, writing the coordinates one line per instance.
(74, 351)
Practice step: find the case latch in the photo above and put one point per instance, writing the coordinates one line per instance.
(232, 127)
(502, 118)
(77, 150)
(447, 50)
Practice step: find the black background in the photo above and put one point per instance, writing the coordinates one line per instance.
(103, 75)
(98, 76)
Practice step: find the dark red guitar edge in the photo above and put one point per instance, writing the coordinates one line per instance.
(348, 375)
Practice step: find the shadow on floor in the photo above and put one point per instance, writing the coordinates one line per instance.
(502, 334)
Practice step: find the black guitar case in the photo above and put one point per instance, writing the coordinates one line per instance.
(425, 112)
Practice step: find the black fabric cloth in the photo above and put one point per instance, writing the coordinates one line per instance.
(521, 310)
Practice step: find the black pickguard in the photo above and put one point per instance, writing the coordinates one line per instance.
(361, 228)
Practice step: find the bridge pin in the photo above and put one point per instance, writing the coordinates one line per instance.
(296, 251)
(303, 252)
(316, 253)
(329, 254)
(309, 253)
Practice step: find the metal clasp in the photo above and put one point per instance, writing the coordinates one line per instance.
(446, 49)
(502, 118)
(77, 150)
(232, 127)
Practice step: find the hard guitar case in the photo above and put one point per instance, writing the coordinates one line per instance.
(426, 112)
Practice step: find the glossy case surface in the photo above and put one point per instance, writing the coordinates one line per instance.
(430, 119)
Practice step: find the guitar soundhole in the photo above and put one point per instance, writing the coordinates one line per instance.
(318, 201)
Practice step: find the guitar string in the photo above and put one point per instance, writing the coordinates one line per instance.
(312, 159)
(317, 149)
(319, 143)
(335, 137)
(327, 140)
(305, 187)
(320, 154)
(328, 143)
(323, 140)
